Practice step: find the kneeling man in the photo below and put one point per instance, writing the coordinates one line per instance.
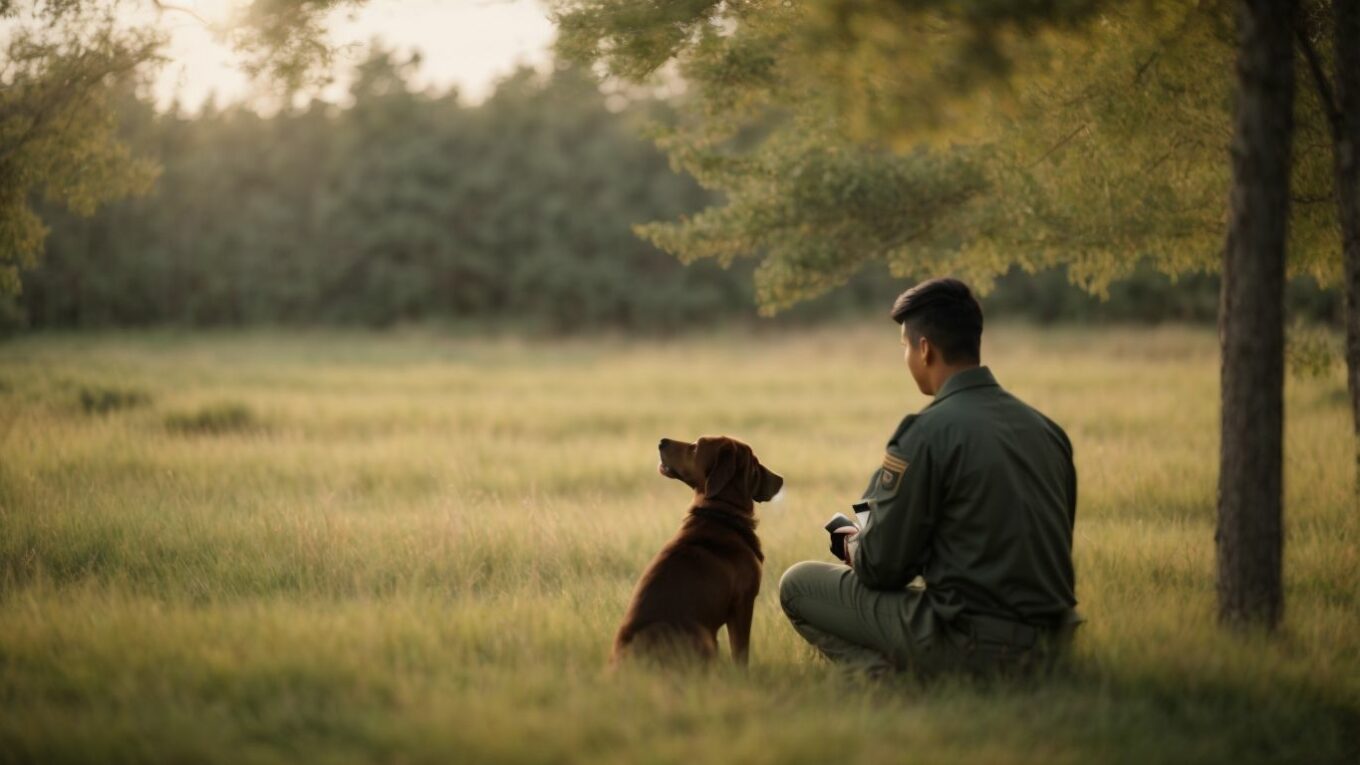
(965, 561)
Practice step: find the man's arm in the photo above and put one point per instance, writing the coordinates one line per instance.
(888, 553)
(1072, 480)
(1066, 444)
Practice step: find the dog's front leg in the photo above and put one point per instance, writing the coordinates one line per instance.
(739, 631)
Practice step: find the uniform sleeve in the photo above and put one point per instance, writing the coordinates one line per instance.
(894, 542)
(1071, 469)
(1072, 492)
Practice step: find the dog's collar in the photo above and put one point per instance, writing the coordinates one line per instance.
(744, 526)
(730, 519)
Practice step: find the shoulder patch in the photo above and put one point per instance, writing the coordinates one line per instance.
(891, 474)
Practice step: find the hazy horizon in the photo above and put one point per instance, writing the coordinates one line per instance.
(467, 44)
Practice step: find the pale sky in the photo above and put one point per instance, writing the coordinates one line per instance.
(467, 43)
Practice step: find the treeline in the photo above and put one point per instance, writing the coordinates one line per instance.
(408, 205)
(403, 206)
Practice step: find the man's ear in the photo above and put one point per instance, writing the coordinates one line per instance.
(721, 473)
(768, 484)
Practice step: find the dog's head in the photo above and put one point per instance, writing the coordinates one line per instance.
(717, 465)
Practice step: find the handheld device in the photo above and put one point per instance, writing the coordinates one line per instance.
(840, 527)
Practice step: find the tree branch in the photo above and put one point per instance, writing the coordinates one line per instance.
(73, 88)
(1143, 67)
(1060, 144)
(905, 237)
(163, 7)
(1320, 81)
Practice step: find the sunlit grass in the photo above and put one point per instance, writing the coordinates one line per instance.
(417, 547)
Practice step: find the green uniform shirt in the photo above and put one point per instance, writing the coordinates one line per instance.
(977, 494)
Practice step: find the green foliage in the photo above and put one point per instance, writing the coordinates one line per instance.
(57, 129)
(890, 67)
(1089, 135)
(100, 399)
(66, 63)
(822, 209)
(212, 419)
(1311, 351)
(285, 42)
(404, 206)
(1125, 145)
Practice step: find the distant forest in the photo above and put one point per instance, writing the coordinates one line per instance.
(407, 205)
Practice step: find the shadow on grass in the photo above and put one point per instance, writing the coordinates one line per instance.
(214, 419)
(101, 399)
(1143, 714)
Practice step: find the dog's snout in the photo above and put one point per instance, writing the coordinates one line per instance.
(662, 444)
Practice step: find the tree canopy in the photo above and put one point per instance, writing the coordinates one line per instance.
(951, 136)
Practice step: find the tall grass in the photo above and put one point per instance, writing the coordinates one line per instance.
(420, 547)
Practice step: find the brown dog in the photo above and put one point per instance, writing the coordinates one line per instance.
(709, 574)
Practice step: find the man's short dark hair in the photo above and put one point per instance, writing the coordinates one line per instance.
(947, 314)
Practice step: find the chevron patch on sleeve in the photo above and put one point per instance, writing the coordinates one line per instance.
(891, 474)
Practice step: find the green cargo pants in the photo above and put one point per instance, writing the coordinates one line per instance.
(882, 631)
(874, 631)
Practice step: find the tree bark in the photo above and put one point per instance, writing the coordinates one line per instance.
(1251, 321)
(1346, 155)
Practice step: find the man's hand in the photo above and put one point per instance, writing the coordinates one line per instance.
(843, 543)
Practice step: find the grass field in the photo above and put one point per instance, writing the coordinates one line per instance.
(410, 547)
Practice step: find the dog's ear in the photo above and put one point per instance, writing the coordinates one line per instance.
(767, 484)
(724, 468)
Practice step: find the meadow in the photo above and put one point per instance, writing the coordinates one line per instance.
(414, 546)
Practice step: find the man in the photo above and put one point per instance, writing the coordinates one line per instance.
(976, 496)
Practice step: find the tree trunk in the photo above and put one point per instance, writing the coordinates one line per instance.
(1251, 320)
(1346, 155)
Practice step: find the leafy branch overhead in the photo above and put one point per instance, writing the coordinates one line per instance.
(963, 137)
(827, 209)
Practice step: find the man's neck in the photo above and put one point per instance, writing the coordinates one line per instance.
(939, 377)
